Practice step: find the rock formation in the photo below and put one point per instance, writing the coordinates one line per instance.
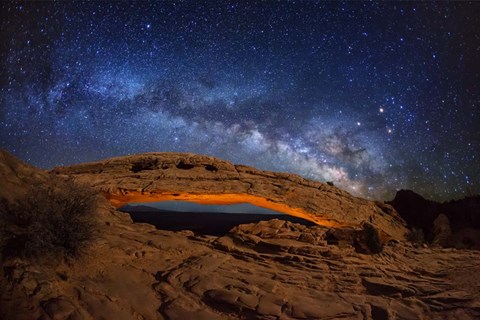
(441, 231)
(268, 270)
(191, 177)
(17, 176)
(463, 216)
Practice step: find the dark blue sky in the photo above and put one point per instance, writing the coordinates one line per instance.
(374, 96)
(185, 206)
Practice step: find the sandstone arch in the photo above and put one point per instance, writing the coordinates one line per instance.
(190, 177)
(119, 200)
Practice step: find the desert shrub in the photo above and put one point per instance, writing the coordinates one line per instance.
(53, 220)
(416, 236)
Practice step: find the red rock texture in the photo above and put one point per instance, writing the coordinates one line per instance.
(268, 270)
(184, 176)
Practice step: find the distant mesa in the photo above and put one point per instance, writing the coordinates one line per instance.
(461, 216)
(203, 222)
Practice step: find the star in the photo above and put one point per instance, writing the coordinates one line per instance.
(370, 105)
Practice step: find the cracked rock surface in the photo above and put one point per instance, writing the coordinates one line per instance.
(268, 270)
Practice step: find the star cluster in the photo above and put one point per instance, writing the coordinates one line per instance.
(372, 96)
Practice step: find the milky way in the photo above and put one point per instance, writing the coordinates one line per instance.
(374, 97)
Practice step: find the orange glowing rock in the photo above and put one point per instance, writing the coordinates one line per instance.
(153, 177)
(119, 200)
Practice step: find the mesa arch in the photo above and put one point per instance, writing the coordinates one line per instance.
(153, 177)
(119, 200)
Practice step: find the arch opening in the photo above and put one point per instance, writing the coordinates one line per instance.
(125, 197)
(215, 220)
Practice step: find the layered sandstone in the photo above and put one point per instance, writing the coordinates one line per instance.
(190, 177)
(17, 176)
(268, 270)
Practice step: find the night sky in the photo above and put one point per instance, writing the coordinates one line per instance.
(372, 96)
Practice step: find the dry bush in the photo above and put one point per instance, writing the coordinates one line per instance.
(55, 219)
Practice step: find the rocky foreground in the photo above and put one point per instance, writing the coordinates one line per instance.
(270, 270)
